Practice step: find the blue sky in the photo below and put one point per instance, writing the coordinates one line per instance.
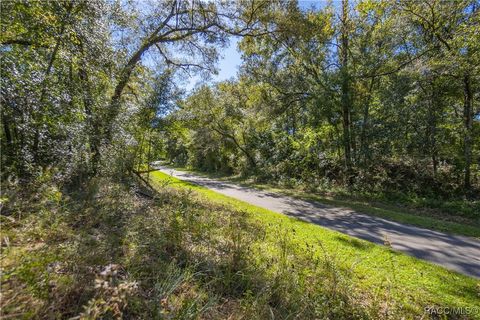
(230, 58)
(229, 61)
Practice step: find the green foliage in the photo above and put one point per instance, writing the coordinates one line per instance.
(381, 99)
(409, 125)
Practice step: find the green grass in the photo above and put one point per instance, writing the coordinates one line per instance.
(105, 251)
(376, 270)
(440, 221)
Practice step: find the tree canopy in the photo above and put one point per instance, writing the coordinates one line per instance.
(373, 94)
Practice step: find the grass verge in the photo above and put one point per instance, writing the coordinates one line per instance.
(376, 270)
(429, 219)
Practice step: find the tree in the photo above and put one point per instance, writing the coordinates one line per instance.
(194, 28)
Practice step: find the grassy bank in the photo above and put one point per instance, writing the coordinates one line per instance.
(453, 217)
(109, 252)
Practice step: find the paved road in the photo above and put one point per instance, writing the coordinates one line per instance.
(453, 252)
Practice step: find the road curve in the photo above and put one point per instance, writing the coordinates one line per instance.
(453, 252)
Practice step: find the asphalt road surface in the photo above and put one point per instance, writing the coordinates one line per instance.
(453, 252)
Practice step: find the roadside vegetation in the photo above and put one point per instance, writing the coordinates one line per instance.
(186, 252)
(358, 100)
(456, 217)
(361, 101)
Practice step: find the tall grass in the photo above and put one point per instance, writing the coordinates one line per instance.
(108, 252)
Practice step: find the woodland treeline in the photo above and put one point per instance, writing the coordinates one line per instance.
(83, 82)
(376, 95)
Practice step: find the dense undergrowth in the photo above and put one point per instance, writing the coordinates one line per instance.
(110, 252)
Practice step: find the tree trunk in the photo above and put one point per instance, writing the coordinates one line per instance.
(345, 88)
(9, 146)
(6, 129)
(105, 132)
(468, 116)
(432, 125)
(364, 147)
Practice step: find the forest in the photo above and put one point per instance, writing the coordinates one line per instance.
(369, 105)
